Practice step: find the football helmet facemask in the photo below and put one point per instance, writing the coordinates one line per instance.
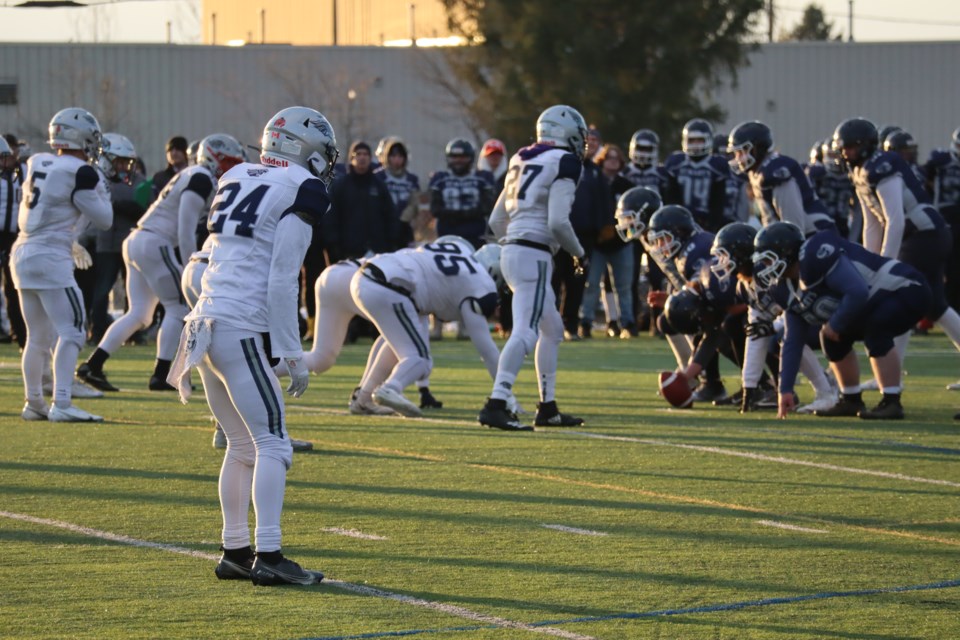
(697, 138)
(75, 129)
(856, 140)
(670, 227)
(775, 249)
(564, 127)
(118, 157)
(489, 256)
(300, 136)
(634, 210)
(644, 148)
(749, 142)
(733, 249)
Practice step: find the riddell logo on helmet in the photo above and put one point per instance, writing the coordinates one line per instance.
(274, 162)
(280, 122)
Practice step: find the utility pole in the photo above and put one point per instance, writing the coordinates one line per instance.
(850, 23)
(213, 28)
(334, 22)
(770, 11)
(263, 26)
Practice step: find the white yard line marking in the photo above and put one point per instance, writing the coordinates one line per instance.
(789, 527)
(766, 458)
(356, 588)
(566, 529)
(352, 533)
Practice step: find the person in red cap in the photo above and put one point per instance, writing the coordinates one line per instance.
(492, 158)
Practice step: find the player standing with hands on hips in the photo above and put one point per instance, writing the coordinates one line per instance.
(261, 222)
(532, 220)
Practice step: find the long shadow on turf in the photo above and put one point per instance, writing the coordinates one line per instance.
(803, 632)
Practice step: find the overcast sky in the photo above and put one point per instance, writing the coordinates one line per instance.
(146, 20)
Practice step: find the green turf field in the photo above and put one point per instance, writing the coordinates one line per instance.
(644, 523)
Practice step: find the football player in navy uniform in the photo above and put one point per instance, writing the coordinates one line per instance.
(898, 219)
(738, 199)
(779, 184)
(532, 221)
(904, 144)
(851, 294)
(942, 170)
(833, 186)
(733, 250)
(696, 178)
(461, 197)
(261, 224)
(644, 168)
(676, 241)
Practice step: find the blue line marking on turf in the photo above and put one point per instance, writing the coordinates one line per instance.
(732, 606)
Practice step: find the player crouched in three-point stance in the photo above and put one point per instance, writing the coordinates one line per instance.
(153, 271)
(58, 191)
(532, 219)
(847, 294)
(261, 223)
(396, 290)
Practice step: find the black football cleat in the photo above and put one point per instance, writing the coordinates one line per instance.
(427, 401)
(234, 569)
(709, 391)
(159, 384)
(887, 409)
(549, 416)
(496, 415)
(96, 379)
(845, 408)
(734, 399)
(286, 571)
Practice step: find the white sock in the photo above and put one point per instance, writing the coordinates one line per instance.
(950, 323)
(269, 484)
(236, 478)
(681, 349)
(810, 367)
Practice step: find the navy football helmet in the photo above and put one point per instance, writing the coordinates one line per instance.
(775, 249)
(684, 311)
(733, 248)
(460, 155)
(697, 138)
(644, 148)
(856, 140)
(750, 142)
(634, 210)
(886, 130)
(903, 143)
(670, 227)
(816, 152)
(955, 138)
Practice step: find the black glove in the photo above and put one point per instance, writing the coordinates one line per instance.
(761, 329)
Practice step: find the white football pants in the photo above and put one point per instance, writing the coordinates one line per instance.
(55, 321)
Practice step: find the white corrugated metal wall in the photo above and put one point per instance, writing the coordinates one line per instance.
(803, 90)
(149, 92)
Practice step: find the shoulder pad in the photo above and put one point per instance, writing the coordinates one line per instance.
(569, 167)
(87, 177)
(311, 202)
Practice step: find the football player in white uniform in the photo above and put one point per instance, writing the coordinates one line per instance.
(532, 220)
(395, 290)
(261, 223)
(191, 283)
(153, 270)
(58, 190)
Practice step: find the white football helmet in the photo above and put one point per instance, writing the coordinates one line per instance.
(564, 127)
(192, 149)
(77, 129)
(489, 256)
(300, 136)
(114, 146)
(463, 243)
(219, 153)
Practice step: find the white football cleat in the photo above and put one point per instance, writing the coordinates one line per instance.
(360, 407)
(953, 386)
(72, 413)
(820, 403)
(33, 412)
(77, 389)
(395, 400)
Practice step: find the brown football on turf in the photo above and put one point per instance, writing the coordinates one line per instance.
(675, 387)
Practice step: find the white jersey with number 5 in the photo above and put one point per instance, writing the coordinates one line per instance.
(56, 192)
(250, 202)
(526, 194)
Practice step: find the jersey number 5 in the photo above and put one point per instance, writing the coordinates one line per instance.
(244, 212)
(449, 258)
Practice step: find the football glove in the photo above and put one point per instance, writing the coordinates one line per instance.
(81, 257)
(299, 376)
(761, 329)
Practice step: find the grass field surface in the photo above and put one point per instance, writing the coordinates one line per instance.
(644, 523)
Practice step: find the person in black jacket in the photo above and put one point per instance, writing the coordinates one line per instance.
(361, 220)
